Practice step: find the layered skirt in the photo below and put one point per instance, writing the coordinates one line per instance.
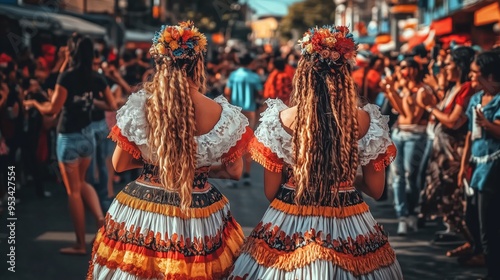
(147, 236)
(441, 194)
(317, 242)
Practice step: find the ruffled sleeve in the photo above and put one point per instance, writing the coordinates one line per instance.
(131, 129)
(239, 148)
(272, 145)
(229, 138)
(376, 146)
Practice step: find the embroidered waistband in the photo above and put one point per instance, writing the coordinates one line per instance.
(163, 196)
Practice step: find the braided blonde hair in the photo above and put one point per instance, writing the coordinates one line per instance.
(325, 140)
(170, 114)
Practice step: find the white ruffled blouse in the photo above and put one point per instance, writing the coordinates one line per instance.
(212, 147)
(376, 144)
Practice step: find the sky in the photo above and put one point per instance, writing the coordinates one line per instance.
(270, 7)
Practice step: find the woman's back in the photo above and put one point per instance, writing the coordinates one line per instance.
(207, 113)
(333, 237)
(171, 223)
(317, 225)
(76, 112)
(287, 118)
(278, 126)
(219, 126)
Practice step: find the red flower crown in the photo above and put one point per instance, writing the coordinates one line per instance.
(333, 45)
(183, 41)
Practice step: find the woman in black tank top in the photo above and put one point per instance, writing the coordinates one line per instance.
(73, 99)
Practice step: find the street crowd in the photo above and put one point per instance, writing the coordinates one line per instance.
(443, 106)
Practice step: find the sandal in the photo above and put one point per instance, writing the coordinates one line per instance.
(460, 251)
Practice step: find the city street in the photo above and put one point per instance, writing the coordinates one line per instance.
(44, 225)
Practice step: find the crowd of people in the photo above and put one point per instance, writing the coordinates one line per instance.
(444, 121)
(448, 147)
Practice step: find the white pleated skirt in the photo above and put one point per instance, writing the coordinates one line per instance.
(317, 242)
(147, 236)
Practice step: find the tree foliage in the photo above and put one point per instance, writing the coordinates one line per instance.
(209, 16)
(306, 14)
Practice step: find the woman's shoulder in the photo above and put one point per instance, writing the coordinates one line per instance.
(230, 119)
(363, 122)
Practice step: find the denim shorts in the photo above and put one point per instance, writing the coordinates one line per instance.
(72, 146)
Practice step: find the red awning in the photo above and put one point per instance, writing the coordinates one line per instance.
(459, 39)
(443, 26)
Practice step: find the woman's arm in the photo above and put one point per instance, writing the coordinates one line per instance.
(464, 165)
(115, 75)
(109, 104)
(272, 183)
(452, 120)
(372, 182)
(123, 161)
(363, 123)
(232, 170)
(425, 99)
(118, 95)
(51, 107)
(395, 100)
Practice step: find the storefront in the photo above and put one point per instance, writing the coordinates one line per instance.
(487, 24)
(473, 23)
(32, 27)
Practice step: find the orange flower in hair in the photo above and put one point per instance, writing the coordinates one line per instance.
(183, 41)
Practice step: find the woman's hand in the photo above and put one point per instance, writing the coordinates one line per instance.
(431, 81)
(387, 84)
(28, 104)
(481, 120)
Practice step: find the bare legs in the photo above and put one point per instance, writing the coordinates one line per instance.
(79, 191)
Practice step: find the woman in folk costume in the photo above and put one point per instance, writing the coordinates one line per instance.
(171, 223)
(318, 226)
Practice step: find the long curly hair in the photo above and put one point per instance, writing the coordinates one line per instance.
(170, 114)
(325, 140)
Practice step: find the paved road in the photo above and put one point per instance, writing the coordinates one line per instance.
(43, 226)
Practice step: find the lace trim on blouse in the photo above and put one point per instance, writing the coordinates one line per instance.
(211, 147)
(273, 145)
(377, 140)
(230, 129)
(272, 134)
(131, 118)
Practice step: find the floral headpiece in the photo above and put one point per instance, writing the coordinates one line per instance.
(183, 41)
(329, 44)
